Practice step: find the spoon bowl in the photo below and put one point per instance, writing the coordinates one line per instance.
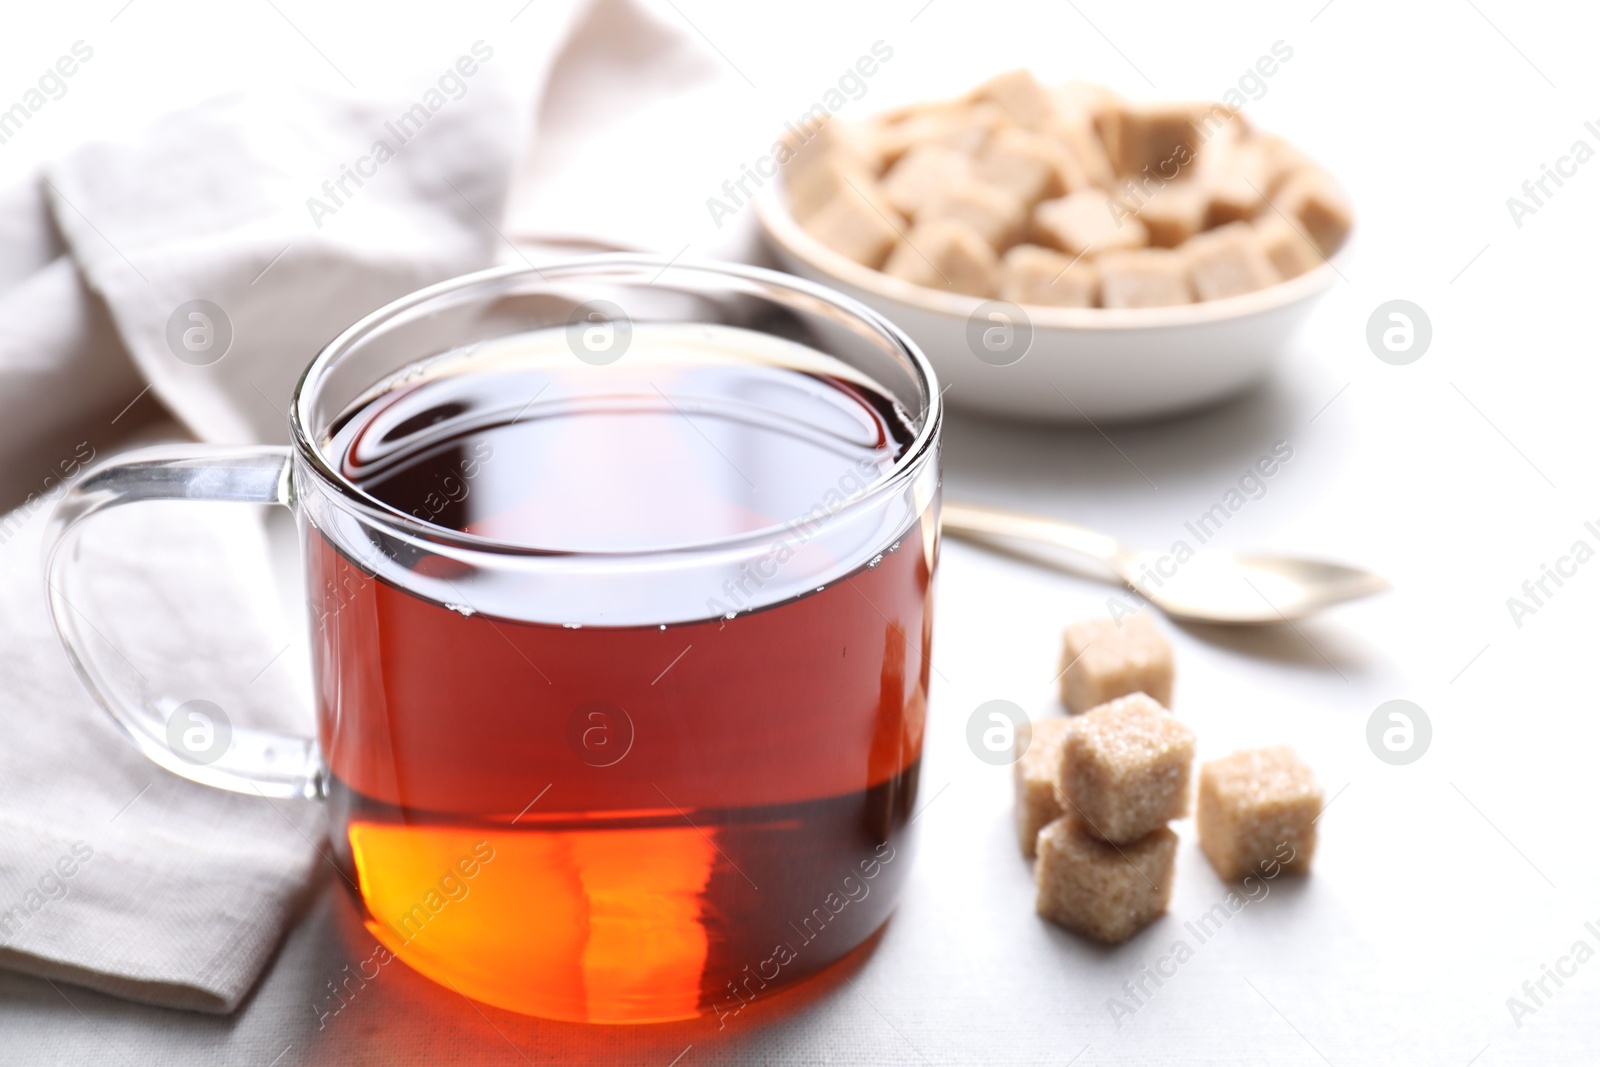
(1246, 589)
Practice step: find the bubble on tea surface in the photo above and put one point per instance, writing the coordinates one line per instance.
(199, 332)
(199, 732)
(599, 332)
(600, 733)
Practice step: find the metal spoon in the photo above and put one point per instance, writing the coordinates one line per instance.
(1236, 590)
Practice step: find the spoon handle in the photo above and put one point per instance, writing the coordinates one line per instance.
(980, 523)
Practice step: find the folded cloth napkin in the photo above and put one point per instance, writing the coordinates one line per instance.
(115, 874)
(179, 896)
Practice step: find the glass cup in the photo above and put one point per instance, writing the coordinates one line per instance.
(643, 779)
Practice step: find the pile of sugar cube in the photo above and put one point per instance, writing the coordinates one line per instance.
(1067, 197)
(1096, 790)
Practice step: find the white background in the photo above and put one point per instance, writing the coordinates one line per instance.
(1441, 886)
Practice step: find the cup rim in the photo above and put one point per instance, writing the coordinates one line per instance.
(577, 267)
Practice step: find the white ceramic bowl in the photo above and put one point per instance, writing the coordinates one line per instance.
(1099, 364)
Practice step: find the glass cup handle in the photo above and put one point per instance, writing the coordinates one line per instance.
(254, 761)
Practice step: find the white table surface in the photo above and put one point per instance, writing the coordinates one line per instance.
(1441, 886)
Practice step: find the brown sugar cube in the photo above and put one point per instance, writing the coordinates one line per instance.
(1238, 174)
(922, 173)
(1019, 94)
(962, 127)
(1086, 100)
(1268, 161)
(1218, 123)
(857, 227)
(833, 141)
(1219, 154)
(1080, 110)
(1088, 220)
(1174, 213)
(1226, 139)
(1144, 278)
(1072, 156)
(1229, 261)
(1125, 768)
(1031, 166)
(1033, 275)
(810, 189)
(945, 254)
(996, 214)
(1291, 249)
(1036, 774)
(1234, 197)
(1258, 813)
(1085, 164)
(1102, 659)
(1242, 173)
(1075, 164)
(1103, 891)
(1163, 139)
(1280, 160)
(1311, 201)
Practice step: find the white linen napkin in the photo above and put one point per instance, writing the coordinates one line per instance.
(115, 874)
(638, 127)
